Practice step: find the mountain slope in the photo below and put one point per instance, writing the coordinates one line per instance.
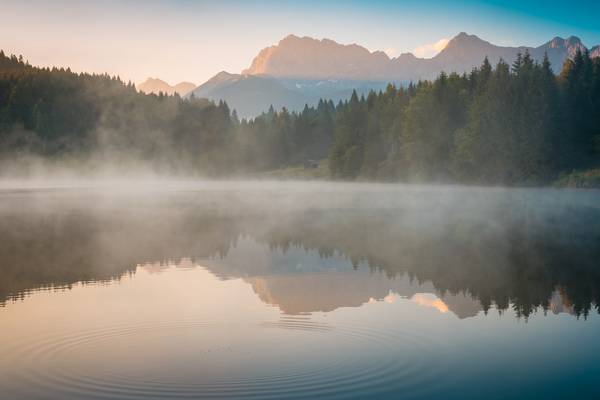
(301, 70)
(153, 85)
(307, 58)
(249, 95)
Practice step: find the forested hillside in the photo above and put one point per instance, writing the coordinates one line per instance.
(56, 114)
(514, 124)
(507, 124)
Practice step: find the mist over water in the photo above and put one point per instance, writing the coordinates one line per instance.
(248, 289)
(321, 219)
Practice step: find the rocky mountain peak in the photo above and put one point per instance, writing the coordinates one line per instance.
(573, 41)
(561, 43)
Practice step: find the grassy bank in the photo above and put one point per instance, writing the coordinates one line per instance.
(580, 179)
(321, 172)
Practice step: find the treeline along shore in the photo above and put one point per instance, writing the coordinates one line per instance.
(519, 124)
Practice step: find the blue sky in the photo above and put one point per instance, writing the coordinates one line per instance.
(192, 40)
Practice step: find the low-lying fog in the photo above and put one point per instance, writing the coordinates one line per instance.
(249, 289)
(495, 244)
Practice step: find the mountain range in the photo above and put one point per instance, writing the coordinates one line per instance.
(154, 85)
(301, 70)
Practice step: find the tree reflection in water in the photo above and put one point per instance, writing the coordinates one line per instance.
(508, 249)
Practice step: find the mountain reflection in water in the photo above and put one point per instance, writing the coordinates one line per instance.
(298, 291)
(308, 251)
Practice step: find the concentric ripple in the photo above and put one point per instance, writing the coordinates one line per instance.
(343, 361)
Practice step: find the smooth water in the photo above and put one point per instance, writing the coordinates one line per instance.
(295, 290)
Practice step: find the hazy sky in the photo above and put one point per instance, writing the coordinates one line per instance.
(180, 40)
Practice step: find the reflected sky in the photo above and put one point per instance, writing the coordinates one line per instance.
(324, 291)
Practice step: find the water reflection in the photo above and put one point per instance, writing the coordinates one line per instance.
(301, 293)
(322, 291)
(309, 252)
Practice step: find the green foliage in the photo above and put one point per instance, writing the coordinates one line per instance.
(55, 113)
(513, 125)
(433, 115)
(511, 135)
(350, 136)
(580, 179)
(366, 134)
(300, 172)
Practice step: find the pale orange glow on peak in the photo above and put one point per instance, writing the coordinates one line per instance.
(431, 49)
(390, 298)
(429, 300)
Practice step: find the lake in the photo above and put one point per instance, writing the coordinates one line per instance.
(257, 290)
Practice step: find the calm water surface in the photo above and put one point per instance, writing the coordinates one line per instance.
(289, 290)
